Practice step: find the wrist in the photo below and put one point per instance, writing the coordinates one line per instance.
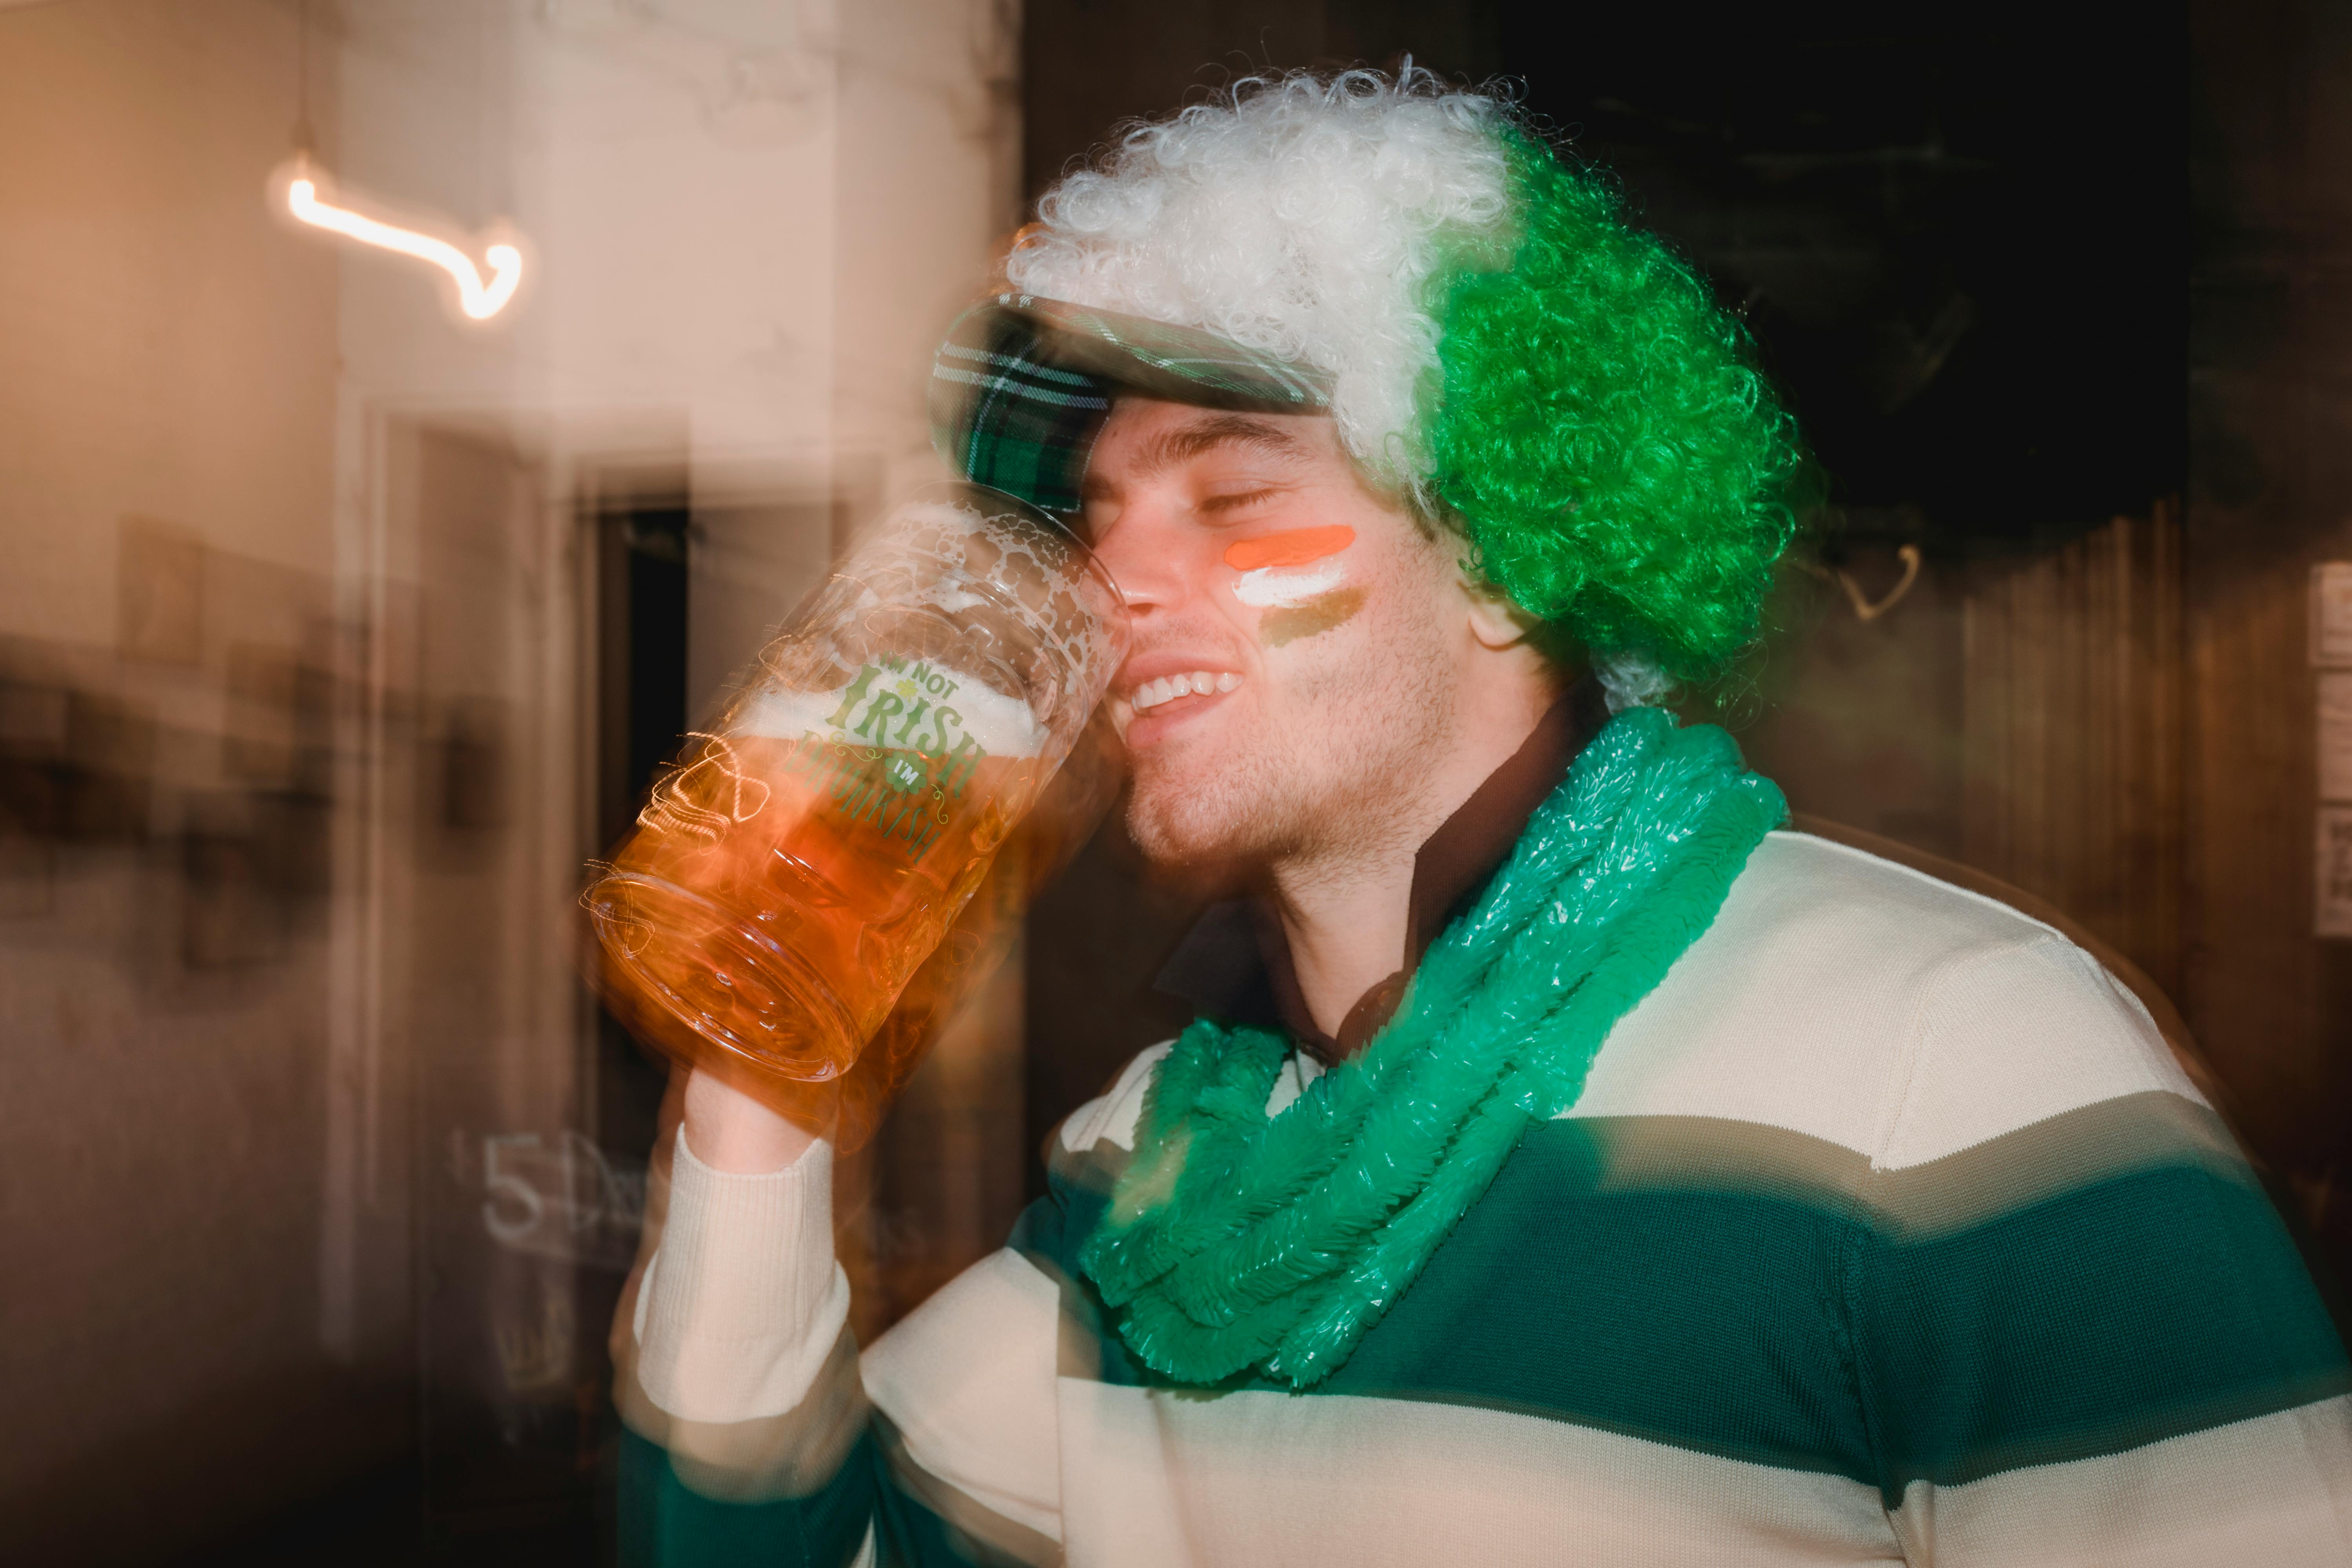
(733, 1133)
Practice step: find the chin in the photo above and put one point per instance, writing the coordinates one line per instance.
(1199, 817)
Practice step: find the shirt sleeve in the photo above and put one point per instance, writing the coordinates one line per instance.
(749, 1433)
(2085, 1336)
(742, 1298)
(745, 1434)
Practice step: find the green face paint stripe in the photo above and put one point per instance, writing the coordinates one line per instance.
(1332, 611)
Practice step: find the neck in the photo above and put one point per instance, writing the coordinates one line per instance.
(1345, 910)
(1345, 924)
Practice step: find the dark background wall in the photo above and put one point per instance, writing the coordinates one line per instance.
(1958, 231)
(1965, 241)
(2269, 494)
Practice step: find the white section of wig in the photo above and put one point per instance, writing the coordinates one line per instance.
(1629, 679)
(1303, 216)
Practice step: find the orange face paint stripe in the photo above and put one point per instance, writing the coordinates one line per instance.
(1295, 547)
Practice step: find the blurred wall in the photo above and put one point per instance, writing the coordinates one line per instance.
(299, 691)
(166, 463)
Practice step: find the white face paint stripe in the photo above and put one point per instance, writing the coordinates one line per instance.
(1280, 587)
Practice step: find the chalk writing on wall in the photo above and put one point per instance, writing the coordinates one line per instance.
(554, 1195)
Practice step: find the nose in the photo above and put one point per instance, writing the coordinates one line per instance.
(1142, 553)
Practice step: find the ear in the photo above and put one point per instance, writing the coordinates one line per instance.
(1495, 620)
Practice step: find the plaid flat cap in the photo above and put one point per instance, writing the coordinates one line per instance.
(1021, 385)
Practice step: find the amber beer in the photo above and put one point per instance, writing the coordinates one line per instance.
(854, 864)
(810, 851)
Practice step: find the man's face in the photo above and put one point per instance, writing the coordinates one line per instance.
(1297, 637)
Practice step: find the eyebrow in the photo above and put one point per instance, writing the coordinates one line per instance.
(1186, 442)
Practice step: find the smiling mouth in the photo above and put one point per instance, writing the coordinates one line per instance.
(1157, 693)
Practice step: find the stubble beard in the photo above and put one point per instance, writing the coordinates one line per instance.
(1328, 778)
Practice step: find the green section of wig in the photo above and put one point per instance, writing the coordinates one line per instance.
(1618, 463)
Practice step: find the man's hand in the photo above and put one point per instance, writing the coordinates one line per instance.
(730, 1131)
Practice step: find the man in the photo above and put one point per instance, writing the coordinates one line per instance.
(1566, 1165)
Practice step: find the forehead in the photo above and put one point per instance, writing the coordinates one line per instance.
(1147, 438)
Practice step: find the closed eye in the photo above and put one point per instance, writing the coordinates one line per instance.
(1239, 500)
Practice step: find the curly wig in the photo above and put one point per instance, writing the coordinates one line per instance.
(1505, 348)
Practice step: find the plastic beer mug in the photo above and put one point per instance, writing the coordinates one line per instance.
(812, 846)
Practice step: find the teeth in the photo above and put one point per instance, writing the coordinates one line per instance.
(1168, 687)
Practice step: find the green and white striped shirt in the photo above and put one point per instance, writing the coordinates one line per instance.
(1885, 1230)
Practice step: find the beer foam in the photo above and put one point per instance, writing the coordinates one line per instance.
(1003, 726)
(1020, 553)
(786, 715)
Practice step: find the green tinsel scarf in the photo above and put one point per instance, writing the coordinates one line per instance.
(1239, 1240)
